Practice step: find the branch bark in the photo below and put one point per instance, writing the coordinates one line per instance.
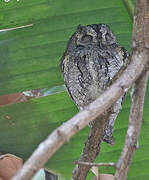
(140, 42)
(135, 121)
(62, 134)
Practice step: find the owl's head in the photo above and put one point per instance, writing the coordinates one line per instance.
(98, 35)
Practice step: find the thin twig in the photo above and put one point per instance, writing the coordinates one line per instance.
(95, 164)
(18, 27)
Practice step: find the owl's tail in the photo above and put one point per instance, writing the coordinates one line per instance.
(108, 131)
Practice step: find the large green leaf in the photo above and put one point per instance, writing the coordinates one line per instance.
(30, 59)
(30, 56)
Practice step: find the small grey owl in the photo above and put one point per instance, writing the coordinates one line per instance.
(91, 61)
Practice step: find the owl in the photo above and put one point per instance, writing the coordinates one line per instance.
(92, 59)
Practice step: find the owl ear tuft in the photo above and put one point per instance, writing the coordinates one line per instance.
(79, 27)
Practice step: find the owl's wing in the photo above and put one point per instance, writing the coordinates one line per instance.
(70, 47)
(125, 59)
(108, 132)
(63, 59)
(65, 66)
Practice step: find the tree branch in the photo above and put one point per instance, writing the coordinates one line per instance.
(95, 164)
(62, 134)
(140, 42)
(135, 121)
(91, 148)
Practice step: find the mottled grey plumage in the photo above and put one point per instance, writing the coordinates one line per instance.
(92, 58)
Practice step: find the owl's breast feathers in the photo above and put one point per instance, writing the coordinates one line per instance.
(87, 72)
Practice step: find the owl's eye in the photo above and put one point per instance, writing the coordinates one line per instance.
(87, 38)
